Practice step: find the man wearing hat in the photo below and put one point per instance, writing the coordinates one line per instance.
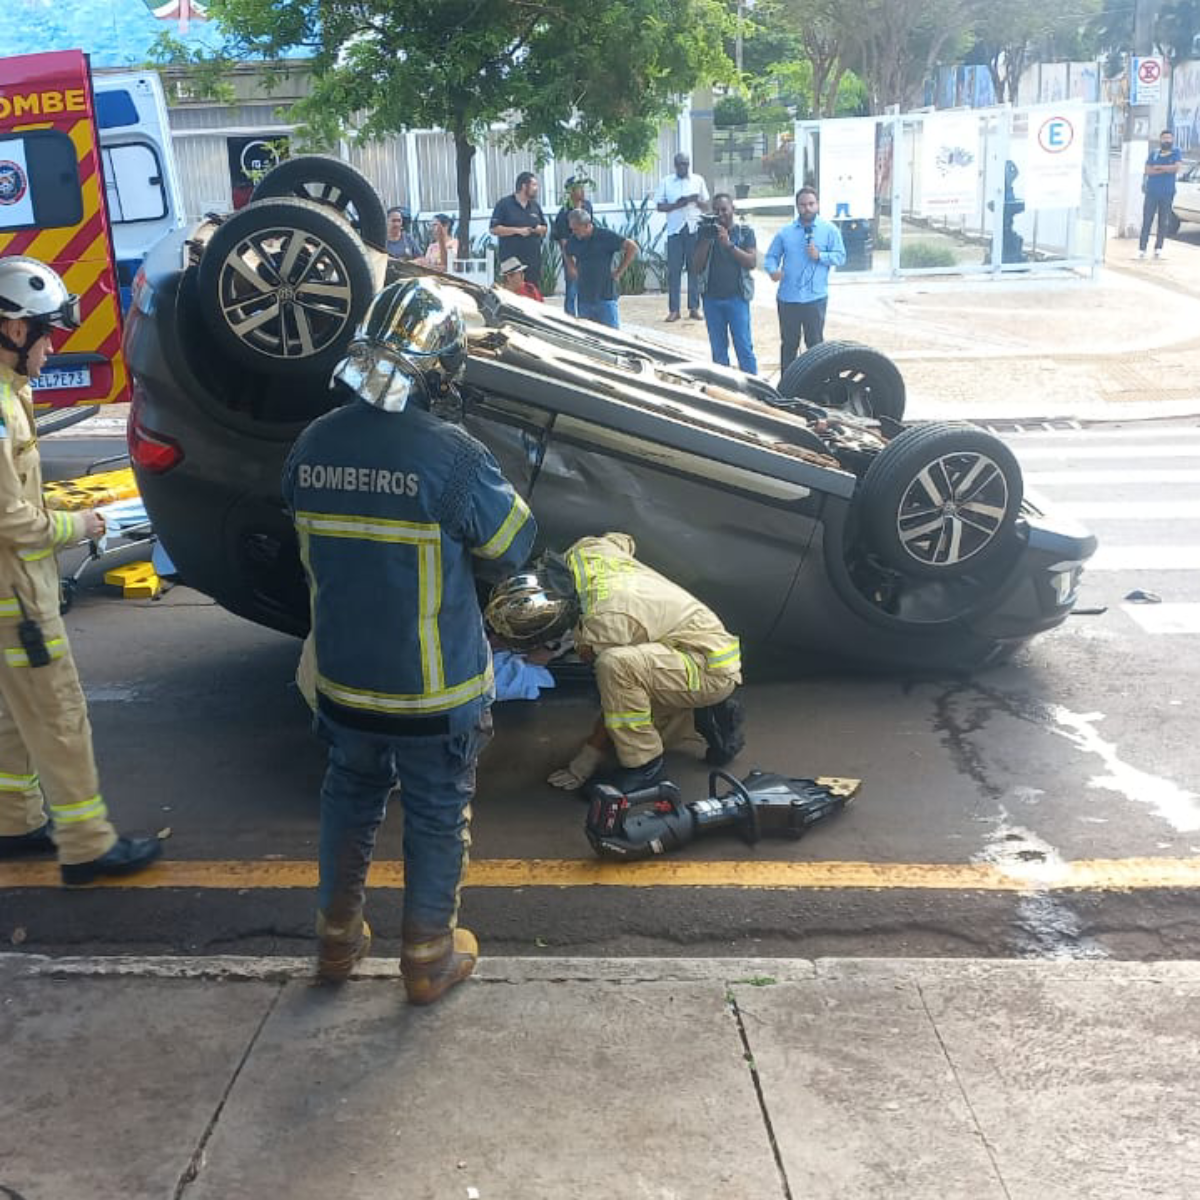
(512, 278)
(573, 191)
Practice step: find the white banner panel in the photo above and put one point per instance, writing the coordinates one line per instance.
(950, 164)
(16, 200)
(1054, 160)
(847, 168)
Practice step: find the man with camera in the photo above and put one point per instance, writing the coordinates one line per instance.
(725, 258)
(799, 259)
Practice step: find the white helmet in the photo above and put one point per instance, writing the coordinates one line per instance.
(30, 289)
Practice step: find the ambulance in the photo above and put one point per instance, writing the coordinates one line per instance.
(87, 185)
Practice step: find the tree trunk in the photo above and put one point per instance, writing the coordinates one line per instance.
(464, 153)
(835, 82)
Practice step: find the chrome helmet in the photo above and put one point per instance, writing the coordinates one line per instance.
(526, 613)
(413, 341)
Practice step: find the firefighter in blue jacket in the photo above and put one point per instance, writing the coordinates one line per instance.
(395, 508)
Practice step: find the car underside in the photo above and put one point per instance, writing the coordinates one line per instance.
(808, 515)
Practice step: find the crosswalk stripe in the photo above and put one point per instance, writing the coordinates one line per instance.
(1129, 510)
(1145, 558)
(1165, 618)
(1113, 478)
(1130, 453)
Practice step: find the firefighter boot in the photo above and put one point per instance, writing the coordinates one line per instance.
(722, 726)
(126, 856)
(433, 966)
(340, 948)
(36, 841)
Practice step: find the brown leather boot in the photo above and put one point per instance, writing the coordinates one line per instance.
(340, 948)
(432, 967)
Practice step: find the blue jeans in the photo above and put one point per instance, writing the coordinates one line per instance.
(603, 311)
(729, 317)
(1155, 209)
(437, 781)
(680, 248)
(571, 296)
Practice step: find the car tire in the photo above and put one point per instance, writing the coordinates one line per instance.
(847, 377)
(282, 285)
(1173, 223)
(333, 184)
(941, 501)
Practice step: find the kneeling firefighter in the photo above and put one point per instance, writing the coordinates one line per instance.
(664, 662)
(394, 508)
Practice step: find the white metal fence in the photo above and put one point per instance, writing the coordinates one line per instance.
(415, 169)
(991, 226)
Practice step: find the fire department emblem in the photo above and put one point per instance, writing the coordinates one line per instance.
(13, 182)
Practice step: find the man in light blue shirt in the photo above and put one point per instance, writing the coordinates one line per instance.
(799, 260)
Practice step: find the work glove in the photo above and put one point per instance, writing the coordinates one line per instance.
(579, 770)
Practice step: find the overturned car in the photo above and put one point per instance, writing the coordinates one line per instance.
(809, 516)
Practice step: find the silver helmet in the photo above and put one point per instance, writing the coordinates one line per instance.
(525, 612)
(411, 345)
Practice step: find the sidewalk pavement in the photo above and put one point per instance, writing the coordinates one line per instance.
(1018, 347)
(542, 1079)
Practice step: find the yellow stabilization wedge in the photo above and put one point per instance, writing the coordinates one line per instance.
(837, 786)
(137, 580)
(89, 491)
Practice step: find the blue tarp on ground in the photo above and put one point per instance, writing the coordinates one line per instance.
(116, 33)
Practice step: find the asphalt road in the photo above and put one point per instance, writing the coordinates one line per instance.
(980, 796)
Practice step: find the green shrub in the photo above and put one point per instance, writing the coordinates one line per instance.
(551, 266)
(927, 254)
(731, 110)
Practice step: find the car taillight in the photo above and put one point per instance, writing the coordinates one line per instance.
(154, 452)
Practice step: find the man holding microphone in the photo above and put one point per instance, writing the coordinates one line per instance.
(799, 260)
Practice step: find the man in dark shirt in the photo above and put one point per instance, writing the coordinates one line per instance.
(575, 198)
(400, 243)
(589, 255)
(1159, 185)
(725, 257)
(520, 224)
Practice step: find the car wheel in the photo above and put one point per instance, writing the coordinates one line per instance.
(334, 184)
(282, 285)
(1173, 223)
(848, 377)
(940, 500)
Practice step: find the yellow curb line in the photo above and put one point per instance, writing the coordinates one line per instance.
(1122, 874)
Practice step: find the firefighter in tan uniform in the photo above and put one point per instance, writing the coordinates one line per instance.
(665, 664)
(45, 736)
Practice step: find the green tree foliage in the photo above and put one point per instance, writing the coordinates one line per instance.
(1177, 29)
(1009, 32)
(593, 81)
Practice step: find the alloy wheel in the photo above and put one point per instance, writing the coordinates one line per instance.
(285, 292)
(952, 509)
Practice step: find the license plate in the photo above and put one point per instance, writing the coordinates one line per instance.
(50, 381)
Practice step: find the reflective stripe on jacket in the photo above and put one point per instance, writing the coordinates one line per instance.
(30, 533)
(393, 513)
(625, 603)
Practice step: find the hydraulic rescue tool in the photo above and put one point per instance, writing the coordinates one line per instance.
(656, 821)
